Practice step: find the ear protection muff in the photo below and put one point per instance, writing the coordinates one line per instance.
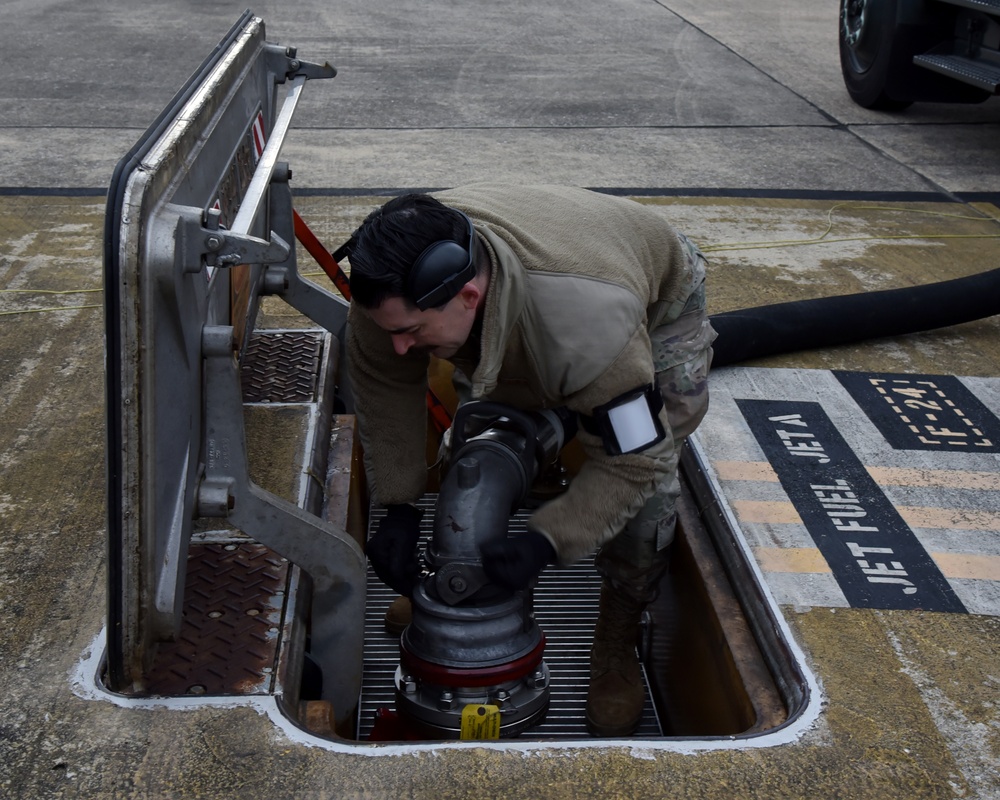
(441, 271)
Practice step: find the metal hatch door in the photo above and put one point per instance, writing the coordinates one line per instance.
(198, 226)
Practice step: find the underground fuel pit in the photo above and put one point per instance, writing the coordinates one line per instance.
(707, 671)
(199, 224)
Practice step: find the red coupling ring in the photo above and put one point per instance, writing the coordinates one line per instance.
(478, 676)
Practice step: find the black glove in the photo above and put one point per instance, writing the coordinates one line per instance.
(392, 549)
(515, 561)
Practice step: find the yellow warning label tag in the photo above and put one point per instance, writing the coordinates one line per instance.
(480, 722)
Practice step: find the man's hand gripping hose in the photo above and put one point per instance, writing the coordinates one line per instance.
(515, 561)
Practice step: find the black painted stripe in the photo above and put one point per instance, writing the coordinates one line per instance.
(875, 557)
(924, 412)
(622, 191)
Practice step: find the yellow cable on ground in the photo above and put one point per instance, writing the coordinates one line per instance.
(710, 248)
(734, 246)
(40, 310)
(821, 239)
(50, 291)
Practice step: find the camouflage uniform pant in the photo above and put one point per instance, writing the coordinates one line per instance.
(635, 560)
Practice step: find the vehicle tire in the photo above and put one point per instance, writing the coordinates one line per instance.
(868, 32)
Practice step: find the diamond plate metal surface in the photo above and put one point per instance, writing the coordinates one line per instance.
(282, 367)
(228, 642)
(566, 601)
(235, 588)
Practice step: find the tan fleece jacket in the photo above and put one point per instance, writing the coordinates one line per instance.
(578, 280)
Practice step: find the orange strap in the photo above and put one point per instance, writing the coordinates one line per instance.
(322, 255)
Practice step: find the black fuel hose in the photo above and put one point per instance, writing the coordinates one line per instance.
(808, 324)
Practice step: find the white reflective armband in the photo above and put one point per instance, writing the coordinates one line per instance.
(630, 423)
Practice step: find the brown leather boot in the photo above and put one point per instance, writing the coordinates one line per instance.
(616, 694)
(398, 616)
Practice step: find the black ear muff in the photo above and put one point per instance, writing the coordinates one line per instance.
(441, 271)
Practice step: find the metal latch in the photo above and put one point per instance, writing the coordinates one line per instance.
(200, 242)
(284, 62)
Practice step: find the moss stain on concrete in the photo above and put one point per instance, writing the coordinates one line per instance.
(912, 700)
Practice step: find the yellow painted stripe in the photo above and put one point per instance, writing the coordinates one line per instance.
(745, 471)
(939, 478)
(767, 511)
(884, 476)
(777, 512)
(963, 565)
(809, 560)
(956, 518)
(791, 559)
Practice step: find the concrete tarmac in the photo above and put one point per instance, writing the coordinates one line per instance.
(732, 117)
(633, 93)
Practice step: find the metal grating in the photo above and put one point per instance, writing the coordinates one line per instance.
(566, 609)
(281, 367)
(228, 641)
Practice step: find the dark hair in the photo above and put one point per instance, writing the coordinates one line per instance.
(391, 238)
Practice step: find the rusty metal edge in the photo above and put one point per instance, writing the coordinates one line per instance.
(794, 686)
